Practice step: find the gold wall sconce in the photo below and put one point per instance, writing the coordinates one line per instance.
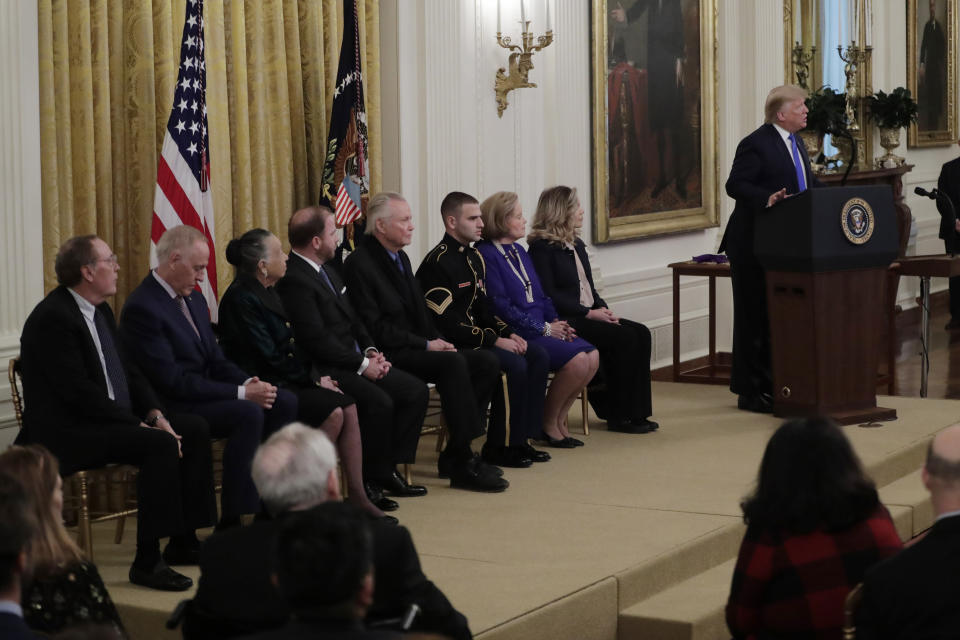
(521, 57)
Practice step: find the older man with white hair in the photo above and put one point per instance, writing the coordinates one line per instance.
(295, 470)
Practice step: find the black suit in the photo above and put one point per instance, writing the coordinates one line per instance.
(189, 370)
(761, 167)
(624, 348)
(949, 185)
(330, 333)
(913, 595)
(67, 409)
(327, 629)
(236, 598)
(12, 627)
(391, 303)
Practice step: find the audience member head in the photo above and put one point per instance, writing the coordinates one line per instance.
(312, 232)
(17, 525)
(182, 257)
(462, 218)
(39, 472)
(809, 478)
(503, 217)
(295, 469)
(785, 106)
(259, 254)
(87, 265)
(323, 562)
(389, 220)
(559, 216)
(941, 472)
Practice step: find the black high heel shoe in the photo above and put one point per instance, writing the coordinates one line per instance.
(558, 443)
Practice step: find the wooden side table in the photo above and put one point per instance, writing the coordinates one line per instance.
(717, 368)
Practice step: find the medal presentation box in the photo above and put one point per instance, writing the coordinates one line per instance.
(826, 252)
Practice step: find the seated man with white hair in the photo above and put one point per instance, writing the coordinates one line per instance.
(295, 470)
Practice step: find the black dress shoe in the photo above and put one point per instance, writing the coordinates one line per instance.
(758, 403)
(508, 456)
(375, 495)
(646, 422)
(162, 578)
(178, 554)
(573, 441)
(626, 426)
(396, 485)
(535, 454)
(474, 475)
(445, 463)
(389, 520)
(557, 443)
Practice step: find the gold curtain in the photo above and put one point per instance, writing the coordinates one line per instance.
(107, 75)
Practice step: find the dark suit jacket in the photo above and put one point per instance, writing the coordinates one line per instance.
(14, 628)
(64, 386)
(236, 597)
(325, 324)
(557, 269)
(391, 304)
(320, 629)
(949, 184)
(914, 595)
(762, 166)
(256, 334)
(184, 368)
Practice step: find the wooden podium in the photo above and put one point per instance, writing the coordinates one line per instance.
(826, 262)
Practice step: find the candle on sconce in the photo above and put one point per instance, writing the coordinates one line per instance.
(869, 42)
(549, 26)
(498, 17)
(523, 16)
(797, 21)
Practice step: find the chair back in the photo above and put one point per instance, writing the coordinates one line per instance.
(850, 612)
(16, 384)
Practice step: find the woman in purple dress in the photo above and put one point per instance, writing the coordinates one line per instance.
(518, 299)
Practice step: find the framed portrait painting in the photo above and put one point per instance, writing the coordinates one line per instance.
(654, 85)
(931, 71)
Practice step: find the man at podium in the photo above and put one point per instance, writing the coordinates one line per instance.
(770, 164)
(949, 186)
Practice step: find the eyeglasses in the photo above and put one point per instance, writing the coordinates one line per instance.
(112, 259)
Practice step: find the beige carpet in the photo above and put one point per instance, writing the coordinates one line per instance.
(599, 528)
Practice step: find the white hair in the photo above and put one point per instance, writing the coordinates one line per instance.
(293, 467)
(178, 238)
(379, 207)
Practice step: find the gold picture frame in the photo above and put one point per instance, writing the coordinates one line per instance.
(936, 125)
(633, 137)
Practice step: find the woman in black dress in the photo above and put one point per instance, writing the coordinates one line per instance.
(256, 335)
(560, 258)
(65, 590)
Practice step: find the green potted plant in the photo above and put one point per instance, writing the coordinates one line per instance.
(826, 113)
(891, 112)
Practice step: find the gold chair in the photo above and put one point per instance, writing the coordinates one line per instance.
(584, 408)
(91, 493)
(433, 424)
(849, 612)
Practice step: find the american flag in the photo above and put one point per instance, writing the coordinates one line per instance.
(346, 170)
(183, 170)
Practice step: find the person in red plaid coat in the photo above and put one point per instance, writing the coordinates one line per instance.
(814, 527)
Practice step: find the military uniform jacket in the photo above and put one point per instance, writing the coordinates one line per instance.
(452, 278)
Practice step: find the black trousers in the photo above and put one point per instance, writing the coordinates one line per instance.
(624, 367)
(525, 395)
(465, 381)
(751, 373)
(245, 425)
(174, 495)
(391, 412)
(949, 245)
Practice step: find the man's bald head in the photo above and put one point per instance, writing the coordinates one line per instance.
(305, 225)
(943, 459)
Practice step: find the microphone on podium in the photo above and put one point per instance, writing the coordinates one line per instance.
(933, 194)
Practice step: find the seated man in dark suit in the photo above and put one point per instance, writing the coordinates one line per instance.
(91, 406)
(916, 593)
(382, 286)
(16, 529)
(949, 185)
(324, 572)
(391, 403)
(165, 327)
(295, 470)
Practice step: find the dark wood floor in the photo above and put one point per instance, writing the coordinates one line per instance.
(944, 378)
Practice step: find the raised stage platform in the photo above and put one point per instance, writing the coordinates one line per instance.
(627, 537)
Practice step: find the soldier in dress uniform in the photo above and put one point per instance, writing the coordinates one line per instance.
(452, 278)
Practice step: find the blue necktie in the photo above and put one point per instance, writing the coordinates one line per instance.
(111, 360)
(798, 165)
(399, 262)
